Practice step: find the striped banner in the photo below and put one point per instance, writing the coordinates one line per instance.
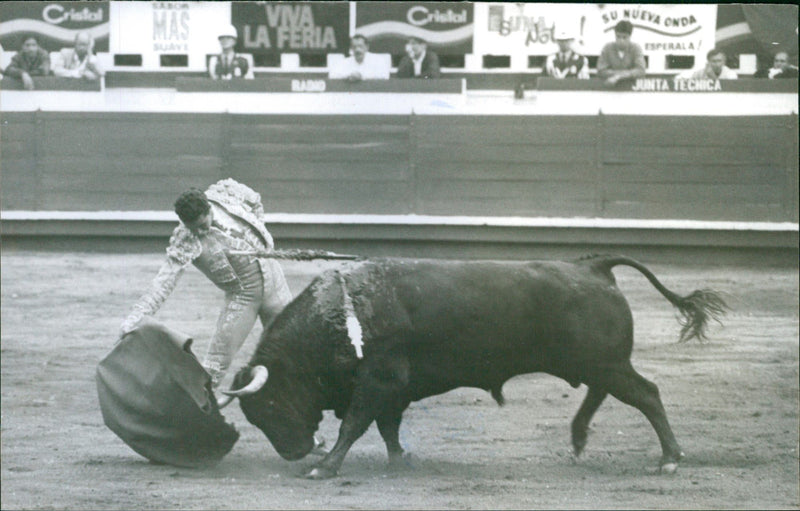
(55, 24)
(446, 26)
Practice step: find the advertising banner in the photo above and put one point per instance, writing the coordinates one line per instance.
(660, 29)
(292, 27)
(506, 28)
(447, 27)
(54, 23)
(168, 27)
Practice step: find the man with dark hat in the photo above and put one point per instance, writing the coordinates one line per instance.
(419, 61)
(621, 59)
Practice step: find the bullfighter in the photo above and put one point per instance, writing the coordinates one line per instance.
(221, 232)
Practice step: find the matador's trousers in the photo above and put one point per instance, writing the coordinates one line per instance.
(260, 291)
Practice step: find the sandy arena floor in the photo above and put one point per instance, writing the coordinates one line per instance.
(732, 402)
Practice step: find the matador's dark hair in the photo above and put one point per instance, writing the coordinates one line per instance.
(191, 205)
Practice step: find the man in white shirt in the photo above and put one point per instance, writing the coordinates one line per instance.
(78, 62)
(715, 69)
(781, 67)
(361, 64)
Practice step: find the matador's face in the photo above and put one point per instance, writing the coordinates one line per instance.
(201, 225)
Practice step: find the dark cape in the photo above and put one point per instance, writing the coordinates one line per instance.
(157, 398)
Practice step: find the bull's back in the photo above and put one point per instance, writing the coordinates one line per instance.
(480, 323)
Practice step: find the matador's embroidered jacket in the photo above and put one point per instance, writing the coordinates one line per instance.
(238, 225)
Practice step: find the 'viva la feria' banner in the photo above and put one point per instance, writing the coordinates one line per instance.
(292, 27)
(660, 29)
(446, 26)
(53, 23)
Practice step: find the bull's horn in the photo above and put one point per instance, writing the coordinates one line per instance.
(224, 401)
(259, 374)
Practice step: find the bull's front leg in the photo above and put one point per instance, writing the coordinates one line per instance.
(354, 424)
(378, 388)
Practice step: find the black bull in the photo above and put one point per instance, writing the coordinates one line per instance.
(432, 326)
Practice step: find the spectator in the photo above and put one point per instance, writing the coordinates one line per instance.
(30, 61)
(419, 62)
(781, 67)
(621, 59)
(78, 62)
(715, 68)
(361, 64)
(566, 63)
(228, 64)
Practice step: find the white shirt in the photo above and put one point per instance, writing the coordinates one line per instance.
(373, 67)
(418, 63)
(705, 73)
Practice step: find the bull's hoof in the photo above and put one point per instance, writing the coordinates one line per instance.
(579, 440)
(577, 449)
(669, 468)
(319, 473)
(399, 462)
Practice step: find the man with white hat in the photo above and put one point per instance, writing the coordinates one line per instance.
(566, 63)
(228, 64)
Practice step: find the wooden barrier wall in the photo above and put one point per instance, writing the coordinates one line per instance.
(704, 168)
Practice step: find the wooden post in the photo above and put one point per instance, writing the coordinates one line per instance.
(38, 140)
(790, 195)
(413, 205)
(599, 156)
(225, 143)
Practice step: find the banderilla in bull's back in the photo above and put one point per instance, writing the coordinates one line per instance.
(430, 326)
(297, 254)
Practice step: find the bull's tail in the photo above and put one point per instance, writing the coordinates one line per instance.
(696, 308)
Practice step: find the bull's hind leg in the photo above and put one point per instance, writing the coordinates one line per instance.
(580, 424)
(625, 384)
